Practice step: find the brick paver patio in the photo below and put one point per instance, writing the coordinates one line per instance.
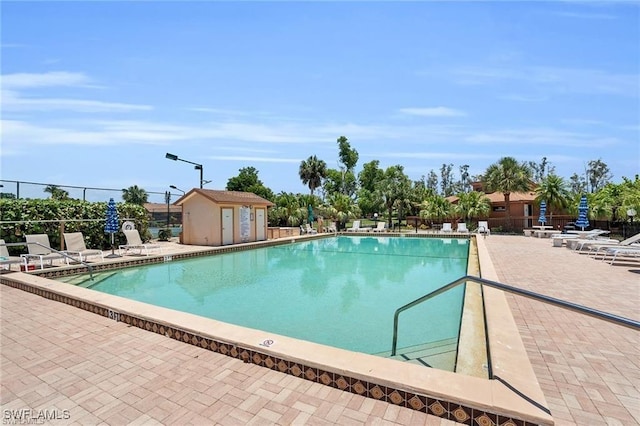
(96, 371)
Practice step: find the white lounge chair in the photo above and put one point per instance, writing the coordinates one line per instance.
(134, 242)
(483, 227)
(462, 227)
(380, 227)
(446, 227)
(6, 260)
(74, 242)
(309, 229)
(331, 228)
(597, 247)
(39, 248)
(630, 250)
(573, 240)
(355, 227)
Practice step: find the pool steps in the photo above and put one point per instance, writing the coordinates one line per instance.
(440, 354)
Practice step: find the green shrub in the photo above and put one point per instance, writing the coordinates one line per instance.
(53, 217)
(165, 234)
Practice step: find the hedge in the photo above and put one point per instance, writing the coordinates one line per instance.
(27, 216)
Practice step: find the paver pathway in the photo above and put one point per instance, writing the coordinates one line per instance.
(588, 369)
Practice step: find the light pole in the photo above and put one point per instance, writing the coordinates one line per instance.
(196, 166)
(176, 188)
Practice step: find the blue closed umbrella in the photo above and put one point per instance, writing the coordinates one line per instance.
(543, 210)
(310, 209)
(583, 209)
(113, 223)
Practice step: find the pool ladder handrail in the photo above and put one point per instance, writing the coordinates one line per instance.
(625, 322)
(61, 253)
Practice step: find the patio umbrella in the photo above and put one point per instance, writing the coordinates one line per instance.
(543, 210)
(112, 226)
(310, 209)
(583, 208)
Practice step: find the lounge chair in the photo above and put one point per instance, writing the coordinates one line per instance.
(309, 229)
(573, 240)
(355, 227)
(631, 250)
(462, 227)
(380, 227)
(302, 230)
(74, 241)
(596, 246)
(331, 228)
(6, 260)
(446, 227)
(39, 248)
(134, 242)
(483, 227)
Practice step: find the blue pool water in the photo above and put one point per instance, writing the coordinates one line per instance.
(340, 291)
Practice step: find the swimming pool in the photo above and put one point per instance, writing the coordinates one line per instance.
(339, 291)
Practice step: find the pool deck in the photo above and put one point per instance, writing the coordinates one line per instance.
(102, 371)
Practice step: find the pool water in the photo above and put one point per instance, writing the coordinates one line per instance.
(339, 291)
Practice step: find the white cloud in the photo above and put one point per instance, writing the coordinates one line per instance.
(535, 137)
(50, 79)
(433, 112)
(556, 79)
(254, 159)
(12, 102)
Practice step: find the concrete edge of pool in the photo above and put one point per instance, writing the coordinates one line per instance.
(514, 399)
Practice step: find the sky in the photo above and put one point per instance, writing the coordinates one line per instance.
(94, 94)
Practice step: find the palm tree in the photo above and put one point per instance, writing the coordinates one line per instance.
(312, 171)
(473, 204)
(436, 207)
(135, 195)
(288, 209)
(554, 191)
(342, 208)
(507, 176)
(56, 192)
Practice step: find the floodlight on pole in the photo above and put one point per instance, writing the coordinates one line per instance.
(177, 189)
(197, 166)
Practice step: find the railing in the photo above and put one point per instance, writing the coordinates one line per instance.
(61, 253)
(625, 322)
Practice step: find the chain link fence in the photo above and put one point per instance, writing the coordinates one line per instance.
(35, 190)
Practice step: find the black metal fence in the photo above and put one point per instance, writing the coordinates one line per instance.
(34, 190)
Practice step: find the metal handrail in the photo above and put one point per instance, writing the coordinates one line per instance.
(625, 322)
(61, 253)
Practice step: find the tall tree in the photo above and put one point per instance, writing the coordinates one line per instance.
(507, 176)
(248, 181)
(465, 180)
(577, 184)
(540, 170)
(56, 192)
(446, 180)
(340, 181)
(348, 156)
(135, 195)
(598, 174)
(394, 186)
(553, 190)
(312, 172)
(432, 181)
(369, 175)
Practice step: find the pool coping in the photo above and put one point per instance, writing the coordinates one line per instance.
(465, 399)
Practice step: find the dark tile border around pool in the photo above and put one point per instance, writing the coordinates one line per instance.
(394, 395)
